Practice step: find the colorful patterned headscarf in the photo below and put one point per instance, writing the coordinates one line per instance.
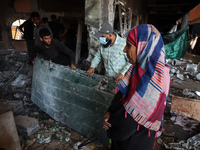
(145, 86)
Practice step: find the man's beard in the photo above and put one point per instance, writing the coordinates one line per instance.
(48, 45)
(109, 42)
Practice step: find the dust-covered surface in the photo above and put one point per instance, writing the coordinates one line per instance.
(179, 132)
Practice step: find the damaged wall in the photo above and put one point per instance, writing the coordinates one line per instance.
(97, 12)
(13, 10)
(10, 12)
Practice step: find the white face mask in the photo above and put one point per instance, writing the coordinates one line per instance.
(103, 40)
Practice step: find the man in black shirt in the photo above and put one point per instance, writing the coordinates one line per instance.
(54, 50)
(57, 28)
(27, 28)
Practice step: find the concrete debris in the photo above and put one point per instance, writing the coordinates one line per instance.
(192, 143)
(8, 134)
(15, 106)
(15, 87)
(183, 121)
(198, 93)
(180, 76)
(76, 145)
(188, 93)
(102, 85)
(26, 126)
(20, 81)
(198, 76)
(191, 67)
(186, 106)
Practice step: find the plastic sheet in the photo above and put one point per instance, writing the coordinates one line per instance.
(176, 44)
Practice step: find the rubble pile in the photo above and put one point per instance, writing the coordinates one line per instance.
(39, 131)
(179, 131)
(15, 75)
(186, 74)
(36, 129)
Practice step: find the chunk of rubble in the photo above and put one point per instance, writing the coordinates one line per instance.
(191, 67)
(198, 76)
(180, 76)
(26, 126)
(9, 139)
(20, 81)
(192, 143)
(15, 106)
(198, 93)
(188, 93)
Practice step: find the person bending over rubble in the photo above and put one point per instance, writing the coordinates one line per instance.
(54, 50)
(115, 61)
(136, 112)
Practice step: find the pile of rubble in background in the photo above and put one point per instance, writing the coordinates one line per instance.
(180, 129)
(37, 130)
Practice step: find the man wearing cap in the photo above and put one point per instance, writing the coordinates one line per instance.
(111, 51)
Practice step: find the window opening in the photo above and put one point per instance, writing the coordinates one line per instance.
(16, 34)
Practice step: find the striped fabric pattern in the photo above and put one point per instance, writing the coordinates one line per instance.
(146, 85)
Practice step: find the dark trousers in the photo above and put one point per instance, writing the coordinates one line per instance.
(124, 133)
(125, 136)
(137, 141)
(30, 44)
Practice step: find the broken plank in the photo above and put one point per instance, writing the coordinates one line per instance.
(186, 106)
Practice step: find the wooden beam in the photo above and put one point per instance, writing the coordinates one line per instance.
(186, 106)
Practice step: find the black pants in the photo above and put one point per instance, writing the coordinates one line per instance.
(124, 133)
(29, 44)
(125, 136)
(137, 141)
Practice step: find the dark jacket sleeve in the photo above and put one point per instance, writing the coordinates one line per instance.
(116, 104)
(67, 51)
(34, 52)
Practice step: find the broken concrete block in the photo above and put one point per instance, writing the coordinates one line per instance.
(186, 106)
(26, 126)
(15, 106)
(9, 139)
(180, 76)
(191, 67)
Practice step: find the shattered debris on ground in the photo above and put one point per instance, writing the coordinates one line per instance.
(40, 131)
(179, 129)
(179, 132)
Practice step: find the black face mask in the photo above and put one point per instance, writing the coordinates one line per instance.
(109, 42)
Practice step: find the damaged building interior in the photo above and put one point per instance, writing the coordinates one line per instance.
(48, 106)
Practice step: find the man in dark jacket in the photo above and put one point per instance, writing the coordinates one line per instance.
(27, 28)
(57, 28)
(54, 50)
